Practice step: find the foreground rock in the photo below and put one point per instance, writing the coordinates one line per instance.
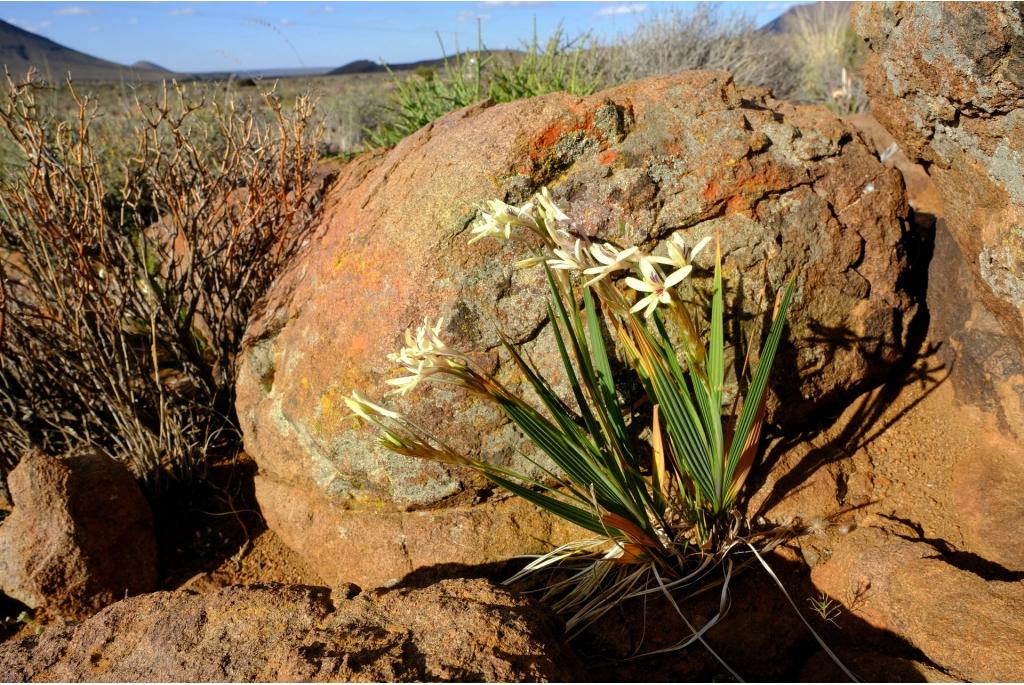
(789, 189)
(452, 631)
(970, 624)
(80, 536)
(912, 507)
(947, 79)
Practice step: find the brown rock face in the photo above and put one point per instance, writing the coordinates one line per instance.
(788, 189)
(970, 625)
(912, 503)
(80, 537)
(453, 631)
(947, 79)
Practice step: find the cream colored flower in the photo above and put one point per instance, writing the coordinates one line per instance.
(501, 218)
(530, 262)
(680, 256)
(405, 384)
(610, 260)
(568, 261)
(549, 210)
(655, 285)
(367, 410)
(423, 355)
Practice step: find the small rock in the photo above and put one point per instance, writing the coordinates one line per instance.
(80, 536)
(457, 630)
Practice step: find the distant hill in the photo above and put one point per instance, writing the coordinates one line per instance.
(360, 66)
(20, 49)
(143, 64)
(365, 66)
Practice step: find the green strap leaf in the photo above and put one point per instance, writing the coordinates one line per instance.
(759, 383)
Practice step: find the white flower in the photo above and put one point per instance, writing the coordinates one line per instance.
(655, 284)
(501, 218)
(367, 410)
(404, 384)
(529, 262)
(423, 346)
(569, 261)
(548, 209)
(423, 355)
(680, 256)
(611, 260)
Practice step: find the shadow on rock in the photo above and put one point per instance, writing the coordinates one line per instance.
(862, 428)
(761, 637)
(985, 569)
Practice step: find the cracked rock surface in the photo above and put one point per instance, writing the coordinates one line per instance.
(456, 630)
(790, 189)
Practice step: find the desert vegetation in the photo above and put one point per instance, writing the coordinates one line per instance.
(661, 509)
(679, 342)
(815, 57)
(169, 209)
(135, 247)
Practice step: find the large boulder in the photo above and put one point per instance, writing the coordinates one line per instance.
(947, 80)
(465, 630)
(790, 189)
(80, 536)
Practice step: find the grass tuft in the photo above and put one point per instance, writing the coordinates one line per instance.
(661, 511)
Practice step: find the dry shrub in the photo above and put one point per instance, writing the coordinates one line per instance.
(124, 307)
(828, 55)
(676, 40)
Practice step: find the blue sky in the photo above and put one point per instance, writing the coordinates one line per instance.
(210, 36)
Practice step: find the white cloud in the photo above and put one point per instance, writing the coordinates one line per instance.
(286, 21)
(472, 16)
(94, 29)
(28, 26)
(620, 10)
(133, 20)
(76, 11)
(321, 9)
(182, 12)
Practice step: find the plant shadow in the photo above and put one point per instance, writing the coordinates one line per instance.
(861, 427)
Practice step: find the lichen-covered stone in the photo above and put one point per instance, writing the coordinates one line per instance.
(947, 79)
(789, 189)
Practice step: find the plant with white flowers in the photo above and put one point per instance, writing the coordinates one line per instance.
(661, 509)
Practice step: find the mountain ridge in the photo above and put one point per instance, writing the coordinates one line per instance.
(21, 50)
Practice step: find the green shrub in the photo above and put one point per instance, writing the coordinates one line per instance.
(420, 98)
(124, 302)
(559, 64)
